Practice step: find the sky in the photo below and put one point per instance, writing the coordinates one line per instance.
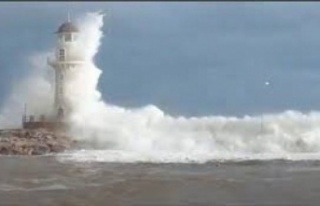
(187, 58)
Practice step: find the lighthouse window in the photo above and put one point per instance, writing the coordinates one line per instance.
(62, 54)
(68, 37)
(75, 37)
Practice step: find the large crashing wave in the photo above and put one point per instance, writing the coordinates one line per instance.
(112, 133)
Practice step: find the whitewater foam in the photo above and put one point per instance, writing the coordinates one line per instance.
(147, 134)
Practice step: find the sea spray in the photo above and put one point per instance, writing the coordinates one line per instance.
(147, 134)
(112, 133)
(32, 93)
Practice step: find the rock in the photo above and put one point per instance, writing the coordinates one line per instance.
(33, 142)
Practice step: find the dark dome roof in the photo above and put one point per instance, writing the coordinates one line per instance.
(67, 27)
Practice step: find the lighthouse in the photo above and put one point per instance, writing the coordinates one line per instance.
(64, 62)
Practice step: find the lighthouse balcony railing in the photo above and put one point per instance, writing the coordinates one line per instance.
(54, 62)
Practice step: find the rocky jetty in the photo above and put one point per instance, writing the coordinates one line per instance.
(33, 142)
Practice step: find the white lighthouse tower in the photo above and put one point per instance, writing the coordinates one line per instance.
(64, 62)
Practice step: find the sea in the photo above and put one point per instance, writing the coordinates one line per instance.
(56, 180)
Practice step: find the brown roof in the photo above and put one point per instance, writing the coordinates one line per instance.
(67, 27)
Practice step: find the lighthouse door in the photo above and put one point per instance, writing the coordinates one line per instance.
(60, 113)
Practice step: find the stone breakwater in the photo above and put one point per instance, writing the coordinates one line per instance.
(33, 142)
